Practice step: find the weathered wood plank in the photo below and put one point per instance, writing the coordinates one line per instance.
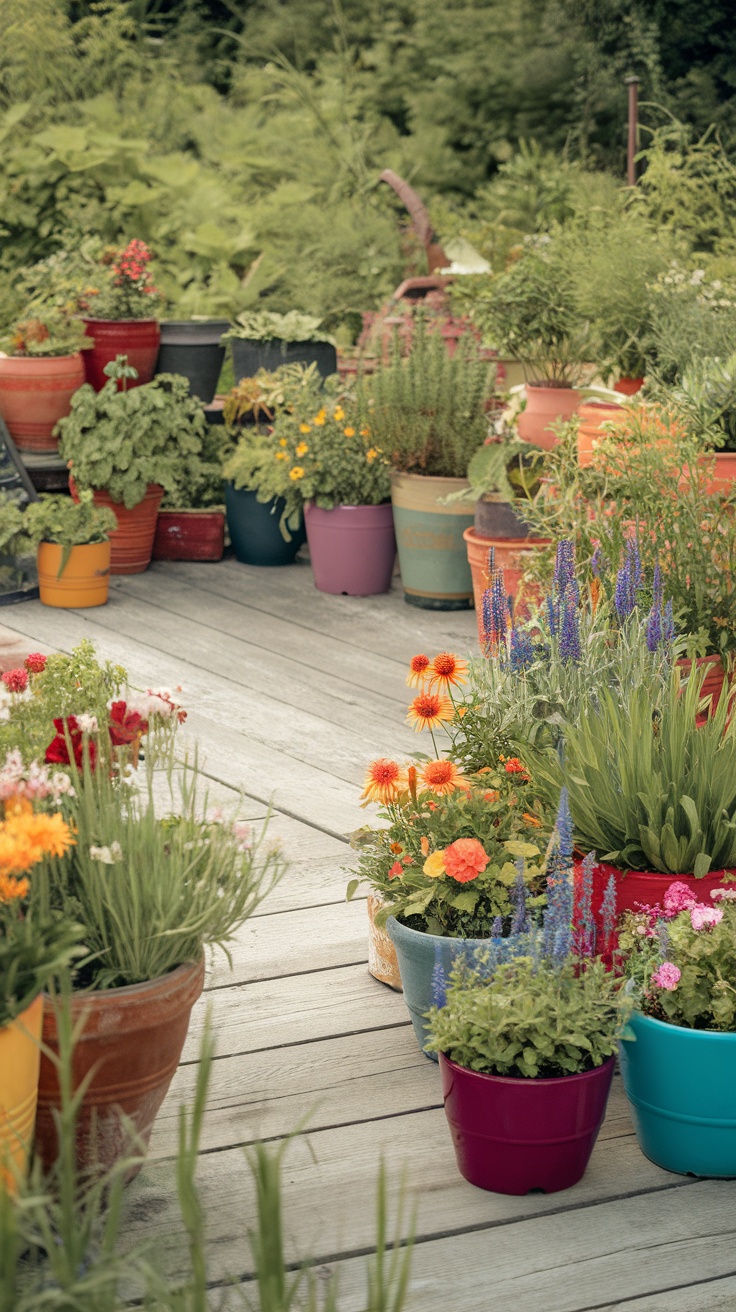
(294, 943)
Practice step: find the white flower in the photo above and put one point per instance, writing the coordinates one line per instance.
(107, 855)
(697, 277)
(87, 723)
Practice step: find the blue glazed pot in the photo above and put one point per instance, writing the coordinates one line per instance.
(680, 1084)
(418, 954)
(254, 529)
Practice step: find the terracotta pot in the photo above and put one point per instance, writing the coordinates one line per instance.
(723, 466)
(189, 535)
(512, 1135)
(130, 1045)
(85, 580)
(713, 682)
(514, 558)
(593, 415)
(382, 961)
(35, 393)
(137, 338)
(546, 406)
(628, 386)
(20, 1054)
(132, 540)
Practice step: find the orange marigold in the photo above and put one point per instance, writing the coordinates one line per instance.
(441, 778)
(12, 889)
(465, 859)
(447, 669)
(428, 710)
(418, 666)
(384, 782)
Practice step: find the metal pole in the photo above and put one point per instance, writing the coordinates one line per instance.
(633, 85)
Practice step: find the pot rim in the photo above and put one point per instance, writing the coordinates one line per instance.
(86, 319)
(40, 359)
(435, 938)
(430, 478)
(540, 385)
(681, 1029)
(99, 998)
(516, 1081)
(656, 874)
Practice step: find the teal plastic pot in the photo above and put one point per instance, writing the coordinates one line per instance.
(254, 529)
(681, 1087)
(435, 573)
(419, 953)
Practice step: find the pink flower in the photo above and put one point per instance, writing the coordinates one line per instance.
(679, 898)
(667, 977)
(723, 894)
(35, 662)
(703, 917)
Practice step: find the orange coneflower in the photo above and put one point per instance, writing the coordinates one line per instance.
(428, 710)
(447, 669)
(384, 782)
(441, 778)
(418, 666)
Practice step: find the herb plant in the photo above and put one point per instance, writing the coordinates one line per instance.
(68, 523)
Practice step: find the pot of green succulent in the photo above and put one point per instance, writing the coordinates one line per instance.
(73, 543)
(39, 375)
(426, 414)
(129, 446)
(529, 312)
(527, 1046)
(679, 1059)
(119, 315)
(264, 340)
(341, 483)
(456, 853)
(144, 937)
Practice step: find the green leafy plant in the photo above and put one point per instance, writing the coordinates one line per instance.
(46, 332)
(649, 787)
(68, 523)
(265, 326)
(121, 441)
(426, 410)
(505, 466)
(704, 399)
(693, 320)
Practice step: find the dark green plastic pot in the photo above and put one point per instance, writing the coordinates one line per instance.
(250, 356)
(254, 529)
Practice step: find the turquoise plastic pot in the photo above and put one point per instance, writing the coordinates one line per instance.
(680, 1084)
(254, 529)
(418, 953)
(435, 573)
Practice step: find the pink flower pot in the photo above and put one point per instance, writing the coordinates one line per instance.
(352, 548)
(512, 1134)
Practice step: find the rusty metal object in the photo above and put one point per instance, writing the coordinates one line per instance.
(420, 220)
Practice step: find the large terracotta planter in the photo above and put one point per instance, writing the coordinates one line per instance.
(723, 466)
(715, 678)
(137, 338)
(129, 1047)
(382, 961)
(546, 406)
(132, 541)
(20, 1054)
(514, 557)
(647, 887)
(352, 549)
(434, 566)
(85, 580)
(512, 1134)
(189, 535)
(593, 415)
(35, 393)
(680, 1085)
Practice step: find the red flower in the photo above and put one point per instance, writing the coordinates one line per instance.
(68, 734)
(514, 766)
(15, 680)
(396, 870)
(35, 663)
(125, 725)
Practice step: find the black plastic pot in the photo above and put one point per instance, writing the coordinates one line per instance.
(498, 519)
(250, 356)
(192, 347)
(254, 529)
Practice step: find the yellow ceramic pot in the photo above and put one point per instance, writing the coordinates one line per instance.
(85, 580)
(20, 1055)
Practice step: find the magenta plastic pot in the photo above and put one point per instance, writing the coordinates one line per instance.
(512, 1135)
(352, 548)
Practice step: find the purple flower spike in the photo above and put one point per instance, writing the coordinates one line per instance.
(654, 629)
(570, 626)
(499, 607)
(585, 935)
(609, 913)
(668, 626)
(564, 566)
(564, 825)
(522, 651)
(497, 927)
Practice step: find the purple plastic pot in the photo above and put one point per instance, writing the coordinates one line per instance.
(352, 548)
(512, 1134)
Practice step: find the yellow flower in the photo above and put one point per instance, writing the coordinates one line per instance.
(302, 449)
(434, 866)
(295, 473)
(282, 455)
(371, 455)
(283, 441)
(319, 418)
(339, 414)
(305, 428)
(349, 432)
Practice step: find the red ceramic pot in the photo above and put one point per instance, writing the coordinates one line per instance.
(511, 1135)
(636, 887)
(132, 540)
(628, 386)
(189, 535)
(35, 393)
(139, 339)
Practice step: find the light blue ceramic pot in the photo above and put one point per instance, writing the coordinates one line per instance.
(681, 1085)
(418, 954)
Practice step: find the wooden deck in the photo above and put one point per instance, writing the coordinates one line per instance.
(290, 693)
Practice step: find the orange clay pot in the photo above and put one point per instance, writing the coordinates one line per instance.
(35, 393)
(593, 415)
(20, 1054)
(546, 406)
(512, 556)
(713, 683)
(628, 386)
(85, 580)
(132, 540)
(723, 466)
